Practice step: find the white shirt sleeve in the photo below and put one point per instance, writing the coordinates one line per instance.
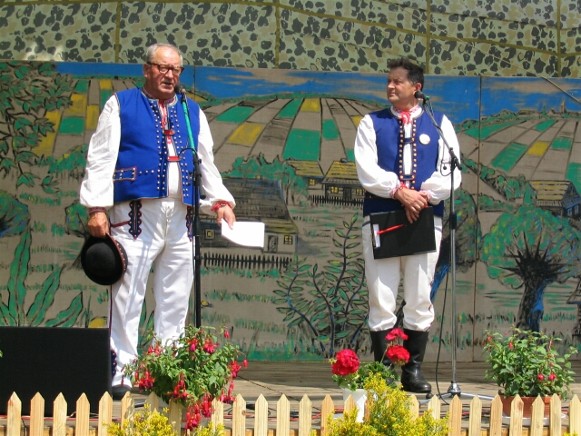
(372, 177)
(439, 183)
(97, 185)
(212, 185)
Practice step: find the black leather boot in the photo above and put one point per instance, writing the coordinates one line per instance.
(412, 379)
(379, 346)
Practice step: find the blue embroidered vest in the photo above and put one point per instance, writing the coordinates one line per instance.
(142, 164)
(386, 127)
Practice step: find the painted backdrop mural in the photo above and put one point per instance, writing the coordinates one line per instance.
(284, 141)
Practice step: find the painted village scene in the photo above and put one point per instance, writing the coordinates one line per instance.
(284, 86)
(284, 146)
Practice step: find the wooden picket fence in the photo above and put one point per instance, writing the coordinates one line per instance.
(464, 419)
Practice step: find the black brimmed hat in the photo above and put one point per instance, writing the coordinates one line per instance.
(103, 259)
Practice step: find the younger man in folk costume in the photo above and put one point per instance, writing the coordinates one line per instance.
(403, 164)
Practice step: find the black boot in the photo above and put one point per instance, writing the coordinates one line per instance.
(412, 379)
(379, 346)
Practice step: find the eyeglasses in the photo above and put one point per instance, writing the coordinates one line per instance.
(164, 69)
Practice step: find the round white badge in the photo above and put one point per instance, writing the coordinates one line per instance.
(424, 139)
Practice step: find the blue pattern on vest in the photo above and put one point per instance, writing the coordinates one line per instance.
(386, 127)
(142, 164)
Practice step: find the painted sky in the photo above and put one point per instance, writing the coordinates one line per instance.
(458, 96)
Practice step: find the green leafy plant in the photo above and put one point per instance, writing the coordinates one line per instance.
(191, 370)
(528, 363)
(389, 414)
(349, 373)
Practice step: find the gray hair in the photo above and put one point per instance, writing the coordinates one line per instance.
(154, 47)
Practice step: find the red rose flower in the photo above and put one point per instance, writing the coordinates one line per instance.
(398, 354)
(346, 362)
(396, 334)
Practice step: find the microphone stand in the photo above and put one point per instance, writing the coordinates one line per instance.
(196, 178)
(454, 388)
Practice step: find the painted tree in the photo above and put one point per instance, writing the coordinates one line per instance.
(529, 250)
(328, 305)
(28, 91)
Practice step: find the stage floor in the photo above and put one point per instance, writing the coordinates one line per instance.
(295, 379)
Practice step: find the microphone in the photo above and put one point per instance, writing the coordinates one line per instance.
(421, 96)
(179, 89)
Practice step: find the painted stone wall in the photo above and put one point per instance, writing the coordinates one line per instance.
(452, 37)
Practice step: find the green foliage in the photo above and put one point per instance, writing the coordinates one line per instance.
(257, 167)
(210, 430)
(528, 363)
(145, 327)
(191, 369)
(27, 92)
(290, 350)
(487, 203)
(14, 215)
(15, 313)
(509, 253)
(328, 306)
(511, 188)
(72, 163)
(76, 217)
(147, 422)
(141, 423)
(531, 248)
(365, 372)
(389, 414)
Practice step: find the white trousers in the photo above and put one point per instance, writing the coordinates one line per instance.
(383, 278)
(164, 246)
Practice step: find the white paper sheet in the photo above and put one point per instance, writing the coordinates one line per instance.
(247, 233)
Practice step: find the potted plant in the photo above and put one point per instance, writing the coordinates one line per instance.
(529, 364)
(351, 375)
(191, 370)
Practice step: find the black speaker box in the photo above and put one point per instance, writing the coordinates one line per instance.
(53, 360)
